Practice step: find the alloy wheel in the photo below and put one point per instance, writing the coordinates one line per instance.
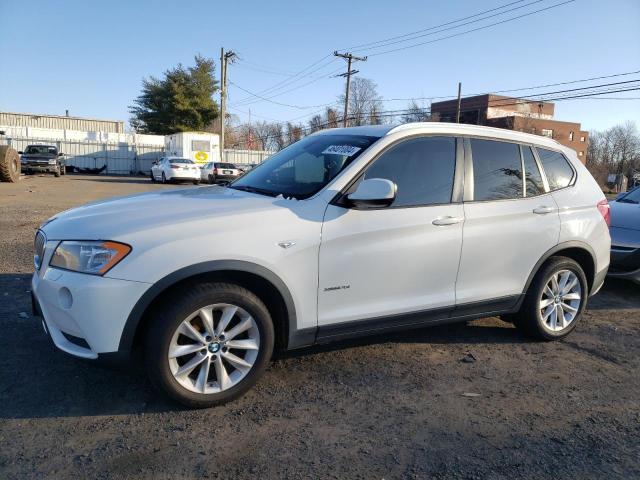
(214, 348)
(560, 301)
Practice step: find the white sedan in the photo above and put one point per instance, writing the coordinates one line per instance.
(172, 169)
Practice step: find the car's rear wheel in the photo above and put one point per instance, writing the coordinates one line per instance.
(196, 182)
(212, 179)
(555, 300)
(209, 344)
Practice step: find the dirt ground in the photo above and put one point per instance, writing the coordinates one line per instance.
(394, 406)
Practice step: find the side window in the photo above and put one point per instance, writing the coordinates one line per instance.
(532, 178)
(497, 170)
(422, 168)
(556, 166)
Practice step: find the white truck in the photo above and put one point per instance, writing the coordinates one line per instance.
(201, 147)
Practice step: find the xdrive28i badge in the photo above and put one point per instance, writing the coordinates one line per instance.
(339, 287)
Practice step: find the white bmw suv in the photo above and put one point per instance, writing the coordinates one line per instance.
(347, 232)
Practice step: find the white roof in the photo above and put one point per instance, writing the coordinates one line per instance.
(444, 128)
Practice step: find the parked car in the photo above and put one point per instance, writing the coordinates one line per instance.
(217, 172)
(42, 158)
(347, 232)
(625, 236)
(173, 169)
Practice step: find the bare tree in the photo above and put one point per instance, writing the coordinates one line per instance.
(332, 117)
(415, 113)
(316, 123)
(616, 150)
(293, 133)
(363, 101)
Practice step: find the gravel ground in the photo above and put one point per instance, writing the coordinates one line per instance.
(468, 401)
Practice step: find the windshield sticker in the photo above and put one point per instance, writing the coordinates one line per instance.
(346, 150)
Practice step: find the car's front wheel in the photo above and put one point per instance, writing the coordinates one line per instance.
(555, 300)
(209, 344)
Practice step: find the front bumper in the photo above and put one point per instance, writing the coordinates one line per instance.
(83, 314)
(38, 167)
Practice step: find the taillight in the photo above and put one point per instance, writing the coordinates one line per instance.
(174, 166)
(605, 209)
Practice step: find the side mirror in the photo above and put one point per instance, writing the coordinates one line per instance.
(373, 192)
(20, 153)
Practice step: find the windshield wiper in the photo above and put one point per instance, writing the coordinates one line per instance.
(246, 188)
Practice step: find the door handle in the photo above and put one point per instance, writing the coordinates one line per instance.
(543, 210)
(448, 220)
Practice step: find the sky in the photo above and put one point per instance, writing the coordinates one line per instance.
(91, 57)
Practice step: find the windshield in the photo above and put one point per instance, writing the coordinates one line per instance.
(41, 150)
(632, 197)
(179, 160)
(304, 168)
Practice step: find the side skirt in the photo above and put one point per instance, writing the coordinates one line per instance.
(405, 321)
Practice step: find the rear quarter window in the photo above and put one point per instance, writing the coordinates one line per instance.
(557, 168)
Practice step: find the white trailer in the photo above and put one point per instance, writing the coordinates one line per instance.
(201, 147)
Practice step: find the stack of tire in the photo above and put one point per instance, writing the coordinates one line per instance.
(9, 164)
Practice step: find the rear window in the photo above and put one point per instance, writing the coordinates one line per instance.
(497, 170)
(557, 168)
(225, 165)
(180, 160)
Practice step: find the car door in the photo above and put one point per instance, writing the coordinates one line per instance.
(155, 169)
(511, 221)
(381, 262)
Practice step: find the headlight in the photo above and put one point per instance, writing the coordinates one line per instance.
(95, 258)
(52, 162)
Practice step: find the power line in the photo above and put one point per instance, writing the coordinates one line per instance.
(354, 47)
(286, 91)
(272, 101)
(294, 78)
(383, 44)
(472, 30)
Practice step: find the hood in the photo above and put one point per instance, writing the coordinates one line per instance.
(123, 217)
(625, 215)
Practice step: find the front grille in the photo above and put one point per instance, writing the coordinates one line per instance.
(38, 246)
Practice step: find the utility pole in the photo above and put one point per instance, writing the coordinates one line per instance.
(350, 58)
(224, 59)
(459, 101)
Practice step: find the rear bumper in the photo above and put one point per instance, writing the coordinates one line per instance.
(225, 178)
(598, 281)
(625, 263)
(182, 175)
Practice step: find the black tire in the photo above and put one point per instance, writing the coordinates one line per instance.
(164, 178)
(153, 179)
(169, 317)
(529, 318)
(9, 164)
(196, 182)
(212, 179)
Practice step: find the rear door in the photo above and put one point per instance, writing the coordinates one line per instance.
(511, 220)
(403, 258)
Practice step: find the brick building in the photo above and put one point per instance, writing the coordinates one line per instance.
(514, 114)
